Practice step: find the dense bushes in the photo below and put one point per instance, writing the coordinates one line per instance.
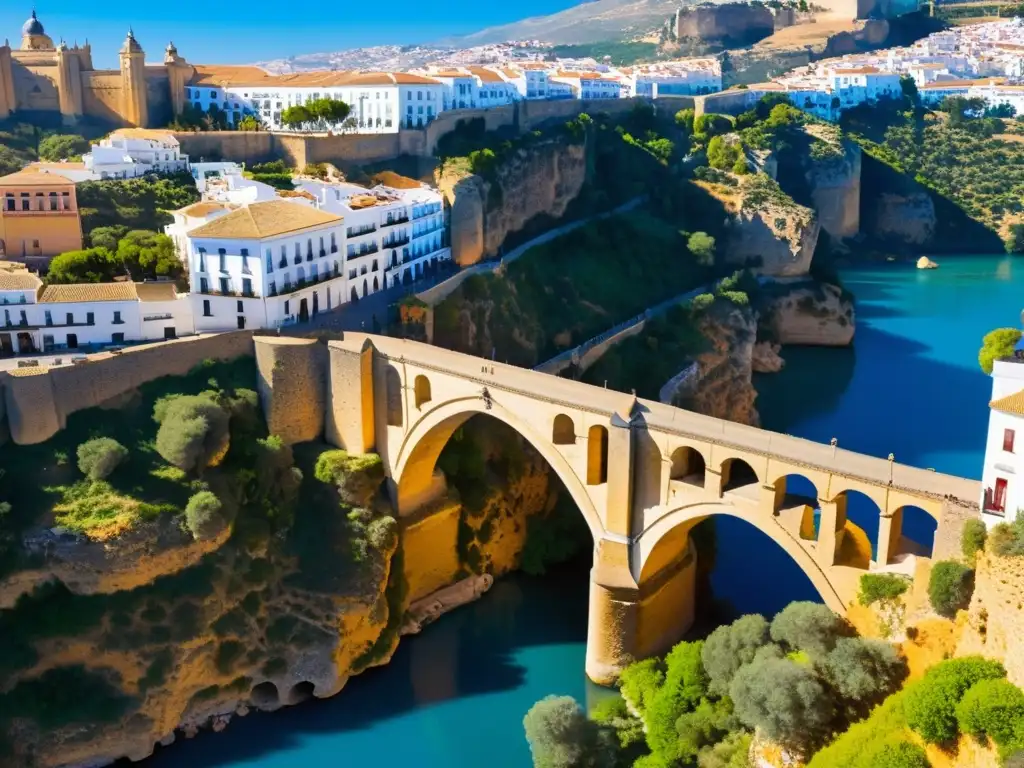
(142, 203)
(996, 345)
(560, 734)
(1007, 539)
(99, 457)
(876, 587)
(992, 708)
(358, 476)
(730, 647)
(784, 699)
(931, 702)
(193, 430)
(972, 538)
(949, 587)
(202, 515)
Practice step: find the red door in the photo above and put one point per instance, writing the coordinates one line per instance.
(999, 502)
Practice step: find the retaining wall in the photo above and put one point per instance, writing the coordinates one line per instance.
(39, 400)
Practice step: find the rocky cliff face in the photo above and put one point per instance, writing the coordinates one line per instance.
(834, 180)
(721, 385)
(541, 179)
(816, 314)
(995, 618)
(909, 218)
(733, 23)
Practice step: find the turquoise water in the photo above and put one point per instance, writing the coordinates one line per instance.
(455, 695)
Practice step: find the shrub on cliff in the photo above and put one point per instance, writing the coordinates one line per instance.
(685, 685)
(731, 752)
(358, 476)
(702, 246)
(277, 480)
(863, 671)
(709, 124)
(99, 457)
(901, 754)
(194, 430)
(931, 702)
(1007, 539)
(972, 538)
(784, 699)
(809, 627)
(993, 709)
(640, 681)
(684, 119)
(730, 647)
(560, 735)
(202, 515)
(875, 587)
(997, 344)
(949, 587)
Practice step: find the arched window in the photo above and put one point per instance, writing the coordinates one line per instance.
(422, 390)
(393, 390)
(597, 455)
(563, 431)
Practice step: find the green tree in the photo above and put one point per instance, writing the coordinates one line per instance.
(640, 681)
(202, 515)
(194, 430)
(11, 161)
(149, 255)
(702, 246)
(723, 154)
(993, 709)
(93, 265)
(709, 124)
(249, 123)
(949, 587)
(107, 237)
(685, 685)
(296, 116)
(62, 146)
(98, 457)
(1015, 240)
(909, 89)
(972, 538)
(810, 627)
(863, 671)
(784, 699)
(730, 647)
(684, 119)
(996, 345)
(560, 735)
(328, 111)
(930, 703)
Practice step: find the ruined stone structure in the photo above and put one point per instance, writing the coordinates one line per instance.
(43, 77)
(643, 474)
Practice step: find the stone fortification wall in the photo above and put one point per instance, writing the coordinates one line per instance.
(39, 400)
(733, 23)
(292, 386)
(727, 102)
(995, 620)
(239, 146)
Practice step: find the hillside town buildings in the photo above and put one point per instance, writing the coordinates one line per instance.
(1002, 492)
(39, 217)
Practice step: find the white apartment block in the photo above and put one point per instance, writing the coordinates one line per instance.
(130, 152)
(36, 319)
(678, 78)
(381, 102)
(587, 85)
(1002, 479)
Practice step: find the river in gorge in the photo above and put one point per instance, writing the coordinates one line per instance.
(456, 694)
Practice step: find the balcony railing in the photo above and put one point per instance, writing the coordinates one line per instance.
(363, 252)
(365, 229)
(396, 242)
(5, 300)
(306, 282)
(403, 219)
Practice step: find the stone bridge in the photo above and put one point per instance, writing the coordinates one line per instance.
(643, 474)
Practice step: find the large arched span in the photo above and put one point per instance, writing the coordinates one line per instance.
(675, 526)
(427, 437)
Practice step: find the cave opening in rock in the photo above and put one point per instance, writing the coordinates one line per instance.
(265, 695)
(301, 692)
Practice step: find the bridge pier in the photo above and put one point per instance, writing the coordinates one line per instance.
(613, 618)
(890, 529)
(830, 530)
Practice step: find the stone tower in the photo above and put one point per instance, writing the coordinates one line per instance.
(134, 107)
(33, 36)
(179, 72)
(7, 100)
(69, 84)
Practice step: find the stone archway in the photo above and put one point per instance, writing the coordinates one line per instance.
(413, 467)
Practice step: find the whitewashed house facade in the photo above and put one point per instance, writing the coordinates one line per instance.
(1002, 477)
(130, 152)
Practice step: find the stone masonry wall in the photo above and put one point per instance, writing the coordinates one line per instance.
(947, 534)
(995, 617)
(292, 386)
(39, 400)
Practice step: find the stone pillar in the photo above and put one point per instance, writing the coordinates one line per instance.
(614, 613)
(713, 482)
(69, 85)
(350, 403)
(291, 387)
(890, 530)
(667, 603)
(771, 497)
(830, 530)
(619, 469)
(7, 98)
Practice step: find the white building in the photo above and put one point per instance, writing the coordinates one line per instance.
(1002, 478)
(677, 78)
(131, 152)
(856, 85)
(587, 85)
(381, 102)
(472, 87)
(49, 319)
(265, 265)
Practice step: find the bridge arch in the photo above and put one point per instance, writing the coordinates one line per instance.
(738, 473)
(426, 438)
(674, 528)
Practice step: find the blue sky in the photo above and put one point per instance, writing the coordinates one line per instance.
(242, 31)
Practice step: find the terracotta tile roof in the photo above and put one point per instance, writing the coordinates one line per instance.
(407, 78)
(29, 177)
(19, 280)
(206, 74)
(857, 71)
(145, 133)
(226, 76)
(1010, 404)
(962, 83)
(79, 292)
(202, 209)
(67, 166)
(162, 291)
(260, 220)
(486, 75)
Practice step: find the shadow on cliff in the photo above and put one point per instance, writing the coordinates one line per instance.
(469, 653)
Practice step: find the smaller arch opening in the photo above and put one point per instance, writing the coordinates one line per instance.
(421, 387)
(911, 532)
(597, 455)
(265, 695)
(796, 506)
(393, 390)
(563, 431)
(738, 474)
(301, 692)
(688, 466)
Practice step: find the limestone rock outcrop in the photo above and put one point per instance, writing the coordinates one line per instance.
(815, 314)
(766, 359)
(909, 218)
(835, 184)
(721, 384)
(995, 618)
(733, 23)
(540, 179)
